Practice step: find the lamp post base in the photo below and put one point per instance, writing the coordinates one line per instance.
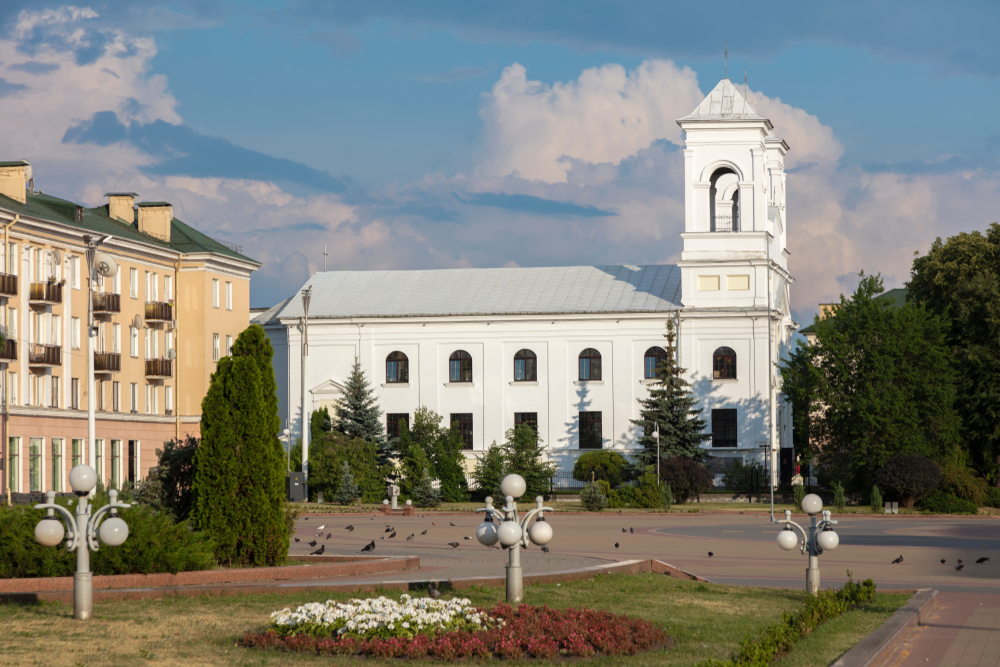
(83, 595)
(812, 580)
(515, 585)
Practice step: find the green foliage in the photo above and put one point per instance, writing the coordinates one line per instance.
(745, 477)
(959, 280)
(449, 462)
(520, 453)
(964, 483)
(413, 462)
(604, 464)
(489, 470)
(429, 445)
(326, 467)
(358, 414)
(877, 501)
(593, 497)
(798, 493)
(667, 496)
(424, 494)
(876, 383)
(779, 638)
(347, 491)
(909, 477)
(944, 503)
(993, 497)
(839, 499)
(155, 544)
(168, 485)
(672, 406)
(319, 423)
(239, 482)
(686, 477)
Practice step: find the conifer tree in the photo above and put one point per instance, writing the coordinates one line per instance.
(424, 494)
(358, 414)
(238, 489)
(347, 490)
(671, 405)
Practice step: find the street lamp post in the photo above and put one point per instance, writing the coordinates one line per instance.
(286, 436)
(656, 436)
(513, 532)
(92, 244)
(81, 533)
(821, 537)
(306, 298)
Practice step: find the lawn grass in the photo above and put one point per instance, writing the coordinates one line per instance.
(704, 620)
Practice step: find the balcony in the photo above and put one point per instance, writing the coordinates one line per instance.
(106, 303)
(107, 362)
(725, 223)
(44, 355)
(157, 311)
(159, 368)
(8, 285)
(8, 352)
(45, 293)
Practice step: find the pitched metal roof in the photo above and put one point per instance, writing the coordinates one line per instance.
(724, 103)
(507, 291)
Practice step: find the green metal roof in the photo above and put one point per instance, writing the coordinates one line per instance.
(15, 163)
(896, 298)
(153, 203)
(184, 238)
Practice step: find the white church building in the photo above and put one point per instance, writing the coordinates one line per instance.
(571, 349)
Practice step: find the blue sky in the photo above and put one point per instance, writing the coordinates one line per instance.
(421, 135)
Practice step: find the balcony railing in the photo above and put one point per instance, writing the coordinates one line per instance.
(725, 223)
(106, 302)
(159, 368)
(107, 362)
(8, 285)
(45, 293)
(157, 311)
(44, 355)
(8, 352)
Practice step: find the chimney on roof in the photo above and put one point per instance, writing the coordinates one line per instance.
(14, 177)
(121, 205)
(155, 218)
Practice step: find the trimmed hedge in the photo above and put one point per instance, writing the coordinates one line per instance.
(945, 503)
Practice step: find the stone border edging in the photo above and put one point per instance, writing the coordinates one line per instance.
(887, 637)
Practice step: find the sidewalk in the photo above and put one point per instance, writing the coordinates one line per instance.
(962, 631)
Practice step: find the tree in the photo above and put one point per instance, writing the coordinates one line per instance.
(238, 489)
(671, 405)
(413, 462)
(521, 453)
(328, 455)
(960, 280)
(319, 423)
(168, 485)
(358, 414)
(882, 385)
(347, 491)
(605, 464)
(424, 494)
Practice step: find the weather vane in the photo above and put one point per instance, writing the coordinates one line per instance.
(726, 69)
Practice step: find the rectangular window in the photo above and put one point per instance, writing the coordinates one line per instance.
(12, 323)
(168, 399)
(102, 340)
(156, 343)
(149, 399)
(14, 464)
(133, 461)
(99, 395)
(591, 431)
(134, 397)
(12, 260)
(215, 347)
(590, 367)
(229, 345)
(529, 418)
(229, 295)
(116, 338)
(168, 288)
(525, 369)
(74, 393)
(147, 338)
(724, 428)
(74, 332)
(13, 388)
(133, 283)
(392, 421)
(133, 341)
(35, 464)
(32, 390)
(74, 271)
(215, 292)
(116, 463)
(116, 396)
(55, 391)
(149, 287)
(56, 338)
(463, 422)
(77, 452)
(99, 458)
(168, 341)
(156, 287)
(156, 399)
(57, 467)
(460, 370)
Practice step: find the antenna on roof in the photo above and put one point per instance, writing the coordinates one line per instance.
(744, 88)
(726, 70)
(324, 258)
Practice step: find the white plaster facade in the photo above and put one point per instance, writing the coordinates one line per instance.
(718, 296)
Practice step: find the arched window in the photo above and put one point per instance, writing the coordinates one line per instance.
(460, 367)
(397, 368)
(590, 364)
(654, 357)
(724, 364)
(525, 366)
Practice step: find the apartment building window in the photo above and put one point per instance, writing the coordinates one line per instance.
(133, 283)
(229, 295)
(134, 397)
(149, 399)
(14, 464)
(74, 393)
(35, 464)
(528, 418)
(55, 391)
(156, 399)
(133, 461)
(99, 395)
(463, 422)
(156, 287)
(168, 288)
(148, 344)
(56, 338)
(116, 283)
(168, 399)
(77, 445)
(74, 332)
(133, 339)
(12, 388)
(149, 288)
(99, 458)
(215, 292)
(57, 464)
(12, 260)
(229, 345)
(101, 339)
(32, 390)
(116, 464)
(156, 343)
(215, 347)
(392, 423)
(116, 338)
(116, 396)
(74, 271)
(591, 431)
(12, 323)
(724, 429)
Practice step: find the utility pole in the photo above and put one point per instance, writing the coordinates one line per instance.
(92, 244)
(306, 297)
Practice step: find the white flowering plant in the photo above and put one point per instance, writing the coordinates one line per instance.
(381, 618)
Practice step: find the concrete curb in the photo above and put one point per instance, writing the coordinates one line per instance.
(884, 640)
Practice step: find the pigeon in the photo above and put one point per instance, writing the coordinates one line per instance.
(329, 535)
(319, 552)
(943, 561)
(959, 566)
(433, 524)
(545, 548)
(381, 538)
(451, 523)
(624, 531)
(616, 545)
(393, 535)
(421, 516)
(453, 545)
(312, 544)
(321, 527)
(982, 560)
(409, 538)
(433, 592)
(424, 533)
(388, 529)
(297, 539)
(350, 528)
(467, 537)
(305, 518)
(370, 546)
(631, 530)
(900, 560)
(710, 554)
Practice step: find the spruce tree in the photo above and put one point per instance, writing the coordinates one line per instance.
(358, 414)
(238, 489)
(424, 494)
(347, 490)
(671, 405)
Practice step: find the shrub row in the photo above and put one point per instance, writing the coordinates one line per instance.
(776, 639)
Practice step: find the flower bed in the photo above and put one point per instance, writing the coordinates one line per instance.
(453, 629)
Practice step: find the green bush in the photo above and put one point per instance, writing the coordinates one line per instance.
(424, 494)
(798, 493)
(779, 638)
(839, 499)
(592, 497)
(521, 453)
(168, 485)
(327, 457)
(909, 477)
(964, 483)
(606, 465)
(667, 497)
(686, 477)
(943, 503)
(993, 497)
(877, 502)
(647, 493)
(347, 491)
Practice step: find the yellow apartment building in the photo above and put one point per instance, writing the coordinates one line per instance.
(174, 308)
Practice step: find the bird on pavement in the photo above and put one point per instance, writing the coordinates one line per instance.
(433, 592)
(350, 528)
(388, 529)
(545, 548)
(424, 533)
(297, 539)
(982, 560)
(453, 545)
(312, 544)
(616, 545)
(624, 531)
(409, 538)
(329, 535)
(710, 554)
(943, 561)
(451, 523)
(393, 535)
(631, 530)
(959, 566)
(305, 518)
(381, 538)
(321, 527)
(421, 516)
(319, 552)
(433, 524)
(370, 546)
(898, 560)
(467, 537)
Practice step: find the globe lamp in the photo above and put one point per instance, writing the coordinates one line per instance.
(787, 539)
(114, 531)
(828, 540)
(82, 479)
(540, 532)
(513, 485)
(49, 532)
(510, 533)
(487, 534)
(812, 504)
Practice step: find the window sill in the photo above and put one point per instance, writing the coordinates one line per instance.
(648, 381)
(524, 383)
(396, 385)
(726, 380)
(460, 384)
(586, 382)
